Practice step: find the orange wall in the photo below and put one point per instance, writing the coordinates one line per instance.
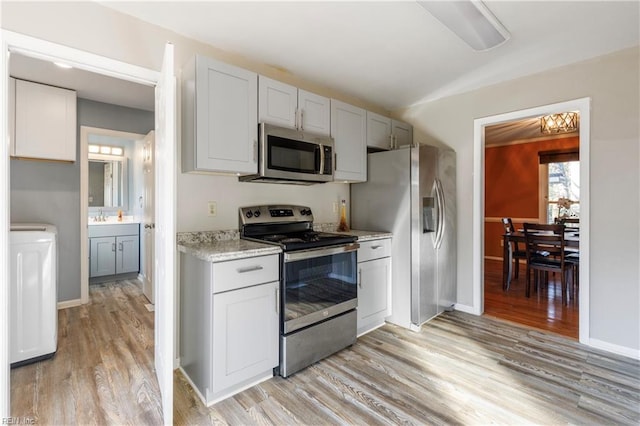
(511, 185)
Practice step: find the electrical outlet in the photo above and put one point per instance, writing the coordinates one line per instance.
(335, 207)
(213, 209)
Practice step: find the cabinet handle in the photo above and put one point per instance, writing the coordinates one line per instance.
(113, 246)
(335, 161)
(391, 141)
(375, 247)
(255, 151)
(278, 300)
(249, 269)
(360, 278)
(120, 246)
(301, 119)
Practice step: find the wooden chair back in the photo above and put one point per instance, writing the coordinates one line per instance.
(544, 247)
(508, 225)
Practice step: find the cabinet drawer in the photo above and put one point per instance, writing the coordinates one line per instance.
(240, 273)
(375, 249)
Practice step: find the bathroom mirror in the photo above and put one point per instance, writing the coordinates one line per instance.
(108, 184)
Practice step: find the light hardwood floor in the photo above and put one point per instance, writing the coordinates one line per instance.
(460, 369)
(102, 372)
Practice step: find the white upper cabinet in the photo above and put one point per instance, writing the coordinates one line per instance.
(277, 103)
(378, 131)
(45, 122)
(402, 133)
(220, 117)
(314, 113)
(284, 105)
(386, 133)
(349, 131)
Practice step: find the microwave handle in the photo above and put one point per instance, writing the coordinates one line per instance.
(322, 159)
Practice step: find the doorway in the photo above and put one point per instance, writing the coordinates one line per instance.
(134, 195)
(582, 106)
(522, 180)
(164, 82)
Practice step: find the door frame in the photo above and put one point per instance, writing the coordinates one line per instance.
(42, 49)
(583, 107)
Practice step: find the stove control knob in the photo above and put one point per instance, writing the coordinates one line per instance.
(309, 212)
(304, 212)
(256, 213)
(249, 214)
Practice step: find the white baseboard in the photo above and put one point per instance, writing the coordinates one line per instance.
(616, 349)
(466, 308)
(69, 303)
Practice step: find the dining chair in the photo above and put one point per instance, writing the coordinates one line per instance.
(570, 222)
(515, 252)
(573, 258)
(545, 251)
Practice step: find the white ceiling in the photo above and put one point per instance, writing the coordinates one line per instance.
(394, 53)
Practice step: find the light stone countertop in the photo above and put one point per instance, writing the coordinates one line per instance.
(220, 246)
(223, 250)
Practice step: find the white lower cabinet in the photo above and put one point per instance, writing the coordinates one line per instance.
(374, 284)
(229, 323)
(114, 249)
(245, 334)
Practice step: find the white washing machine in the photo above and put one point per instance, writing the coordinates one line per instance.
(33, 292)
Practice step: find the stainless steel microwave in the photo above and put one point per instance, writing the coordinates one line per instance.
(292, 156)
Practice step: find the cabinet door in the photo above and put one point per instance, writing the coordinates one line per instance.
(245, 334)
(45, 122)
(349, 131)
(102, 256)
(277, 102)
(378, 131)
(226, 122)
(373, 293)
(128, 254)
(315, 112)
(402, 132)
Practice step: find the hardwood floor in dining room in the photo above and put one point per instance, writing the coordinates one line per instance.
(543, 310)
(103, 370)
(459, 369)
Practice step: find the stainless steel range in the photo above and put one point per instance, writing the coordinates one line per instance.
(318, 290)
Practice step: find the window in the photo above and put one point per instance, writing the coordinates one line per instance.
(564, 190)
(559, 184)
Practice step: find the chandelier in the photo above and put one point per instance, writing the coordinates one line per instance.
(559, 123)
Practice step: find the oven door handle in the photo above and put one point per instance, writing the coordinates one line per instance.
(325, 251)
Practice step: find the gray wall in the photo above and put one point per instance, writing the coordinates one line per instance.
(50, 192)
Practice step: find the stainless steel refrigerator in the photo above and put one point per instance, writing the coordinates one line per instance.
(411, 193)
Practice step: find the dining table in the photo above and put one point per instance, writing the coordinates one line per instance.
(571, 239)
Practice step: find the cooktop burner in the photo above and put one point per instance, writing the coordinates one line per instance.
(304, 240)
(290, 227)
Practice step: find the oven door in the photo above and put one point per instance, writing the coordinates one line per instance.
(318, 284)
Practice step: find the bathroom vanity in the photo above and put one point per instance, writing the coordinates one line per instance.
(114, 248)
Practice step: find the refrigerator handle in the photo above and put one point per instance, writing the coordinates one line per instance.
(440, 225)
